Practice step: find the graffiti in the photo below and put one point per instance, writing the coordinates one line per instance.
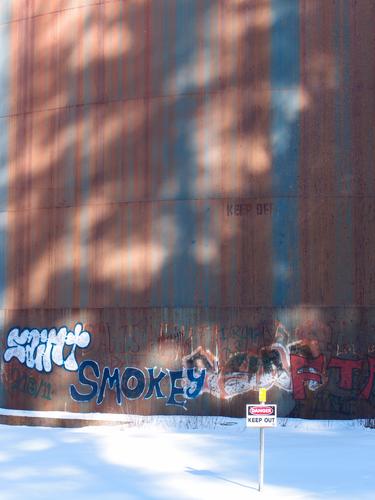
(306, 371)
(40, 349)
(139, 338)
(172, 343)
(346, 369)
(295, 367)
(320, 372)
(245, 371)
(36, 387)
(367, 390)
(133, 383)
(310, 373)
(346, 349)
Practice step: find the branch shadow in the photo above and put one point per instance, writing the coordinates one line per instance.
(215, 475)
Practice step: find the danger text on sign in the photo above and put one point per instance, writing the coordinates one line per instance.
(261, 415)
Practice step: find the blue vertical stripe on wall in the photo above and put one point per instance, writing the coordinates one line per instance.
(185, 210)
(186, 46)
(285, 124)
(184, 168)
(156, 136)
(160, 292)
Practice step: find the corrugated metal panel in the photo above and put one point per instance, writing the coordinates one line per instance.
(192, 173)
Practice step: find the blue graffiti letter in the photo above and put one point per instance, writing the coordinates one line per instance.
(175, 391)
(134, 392)
(113, 380)
(154, 384)
(78, 396)
(198, 381)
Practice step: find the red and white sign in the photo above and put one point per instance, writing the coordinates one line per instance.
(261, 415)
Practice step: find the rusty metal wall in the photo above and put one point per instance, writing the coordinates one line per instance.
(193, 182)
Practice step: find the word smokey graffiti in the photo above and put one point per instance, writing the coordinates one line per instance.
(39, 349)
(133, 383)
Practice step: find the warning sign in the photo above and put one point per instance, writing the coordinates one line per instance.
(261, 415)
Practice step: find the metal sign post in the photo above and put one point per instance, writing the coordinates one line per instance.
(261, 459)
(262, 400)
(261, 415)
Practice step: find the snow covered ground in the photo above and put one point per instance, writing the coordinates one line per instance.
(187, 458)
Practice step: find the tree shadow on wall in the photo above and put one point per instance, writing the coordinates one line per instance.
(146, 141)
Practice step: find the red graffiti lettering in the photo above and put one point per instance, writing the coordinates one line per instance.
(366, 392)
(301, 369)
(346, 367)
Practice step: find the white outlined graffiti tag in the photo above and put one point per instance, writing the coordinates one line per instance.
(40, 349)
(245, 371)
